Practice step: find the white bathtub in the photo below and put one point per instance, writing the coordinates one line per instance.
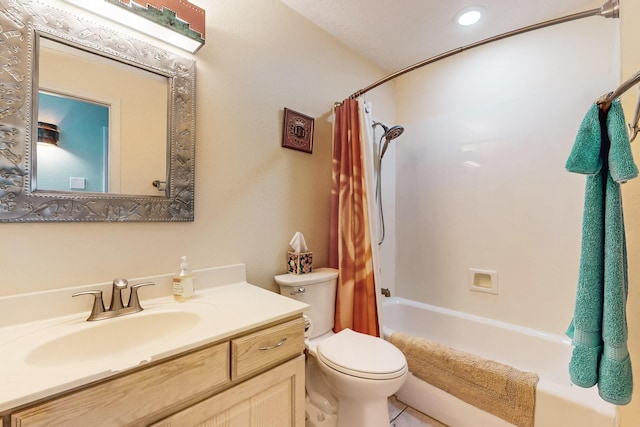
(558, 402)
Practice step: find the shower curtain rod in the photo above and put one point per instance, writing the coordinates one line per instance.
(608, 10)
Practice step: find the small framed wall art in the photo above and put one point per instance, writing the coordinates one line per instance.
(297, 131)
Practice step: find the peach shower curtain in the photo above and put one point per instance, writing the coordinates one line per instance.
(350, 248)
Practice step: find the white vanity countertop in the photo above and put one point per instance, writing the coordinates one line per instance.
(224, 310)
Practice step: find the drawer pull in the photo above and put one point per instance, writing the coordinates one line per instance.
(271, 347)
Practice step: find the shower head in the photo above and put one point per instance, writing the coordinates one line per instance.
(389, 134)
(393, 132)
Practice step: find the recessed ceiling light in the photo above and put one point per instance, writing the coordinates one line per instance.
(469, 16)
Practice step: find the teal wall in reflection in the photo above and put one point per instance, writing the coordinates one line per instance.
(82, 151)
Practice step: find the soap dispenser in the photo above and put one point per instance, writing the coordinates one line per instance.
(183, 282)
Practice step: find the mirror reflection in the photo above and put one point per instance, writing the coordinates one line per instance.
(77, 159)
(110, 119)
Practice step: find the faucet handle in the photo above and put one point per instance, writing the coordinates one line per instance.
(134, 301)
(98, 305)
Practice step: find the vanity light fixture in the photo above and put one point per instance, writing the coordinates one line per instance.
(469, 16)
(177, 22)
(48, 133)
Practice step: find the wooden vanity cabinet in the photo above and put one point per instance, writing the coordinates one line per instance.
(255, 379)
(272, 399)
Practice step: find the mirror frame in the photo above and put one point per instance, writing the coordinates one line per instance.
(22, 23)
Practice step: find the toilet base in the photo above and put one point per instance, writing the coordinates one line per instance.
(359, 413)
(353, 414)
(321, 407)
(315, 417)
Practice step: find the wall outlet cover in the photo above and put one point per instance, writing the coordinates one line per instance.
(76, 183)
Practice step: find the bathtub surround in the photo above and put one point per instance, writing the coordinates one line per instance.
(599, 327)
(502, 215)
(455, 217)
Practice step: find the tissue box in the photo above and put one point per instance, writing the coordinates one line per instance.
(299, 262)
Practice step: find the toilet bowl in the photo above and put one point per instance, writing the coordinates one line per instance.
(349, 375)
(362, 372)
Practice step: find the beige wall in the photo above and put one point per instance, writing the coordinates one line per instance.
(630, 39)
(251, 194)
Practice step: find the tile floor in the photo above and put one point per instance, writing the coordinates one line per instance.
(404, 416)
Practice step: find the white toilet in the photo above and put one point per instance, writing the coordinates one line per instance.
(349, 375)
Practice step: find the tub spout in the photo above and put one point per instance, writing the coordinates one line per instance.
(386, 292)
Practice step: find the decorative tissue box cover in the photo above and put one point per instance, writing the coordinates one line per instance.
(300, 262)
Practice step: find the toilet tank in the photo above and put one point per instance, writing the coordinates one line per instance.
(318, 290)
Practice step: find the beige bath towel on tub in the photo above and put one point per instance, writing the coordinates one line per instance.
(499, 389)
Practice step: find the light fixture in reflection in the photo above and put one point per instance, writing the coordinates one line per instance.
(471, 156)
(469, 16)
(177, 22)
(48, 133)
(472, 164)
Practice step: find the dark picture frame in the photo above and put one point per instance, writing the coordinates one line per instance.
(297, 131)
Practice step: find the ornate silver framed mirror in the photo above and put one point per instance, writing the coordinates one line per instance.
(76, 143)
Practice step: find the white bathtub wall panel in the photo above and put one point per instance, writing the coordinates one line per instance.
(512, 109)
(385, 112)
(388, 247)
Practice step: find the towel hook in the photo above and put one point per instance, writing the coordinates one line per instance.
(634, 128)
(604, 102)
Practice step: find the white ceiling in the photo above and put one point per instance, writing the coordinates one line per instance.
(397, 33)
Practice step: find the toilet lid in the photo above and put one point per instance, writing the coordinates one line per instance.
(362, 355)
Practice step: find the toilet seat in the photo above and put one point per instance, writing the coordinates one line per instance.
(363, 356)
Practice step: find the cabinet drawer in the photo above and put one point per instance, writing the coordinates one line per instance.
(138, 396)
(263, 349)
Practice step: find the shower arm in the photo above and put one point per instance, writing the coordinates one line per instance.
(608, 10)
(385, 130)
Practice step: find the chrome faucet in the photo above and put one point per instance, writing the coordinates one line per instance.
(116, 307)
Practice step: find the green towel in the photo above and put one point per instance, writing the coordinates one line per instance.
(599, 327)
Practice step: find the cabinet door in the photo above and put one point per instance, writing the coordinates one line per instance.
(272, 399)
(129, 400)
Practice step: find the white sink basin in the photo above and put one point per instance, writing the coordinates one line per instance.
(109, 338)
(112, 344)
